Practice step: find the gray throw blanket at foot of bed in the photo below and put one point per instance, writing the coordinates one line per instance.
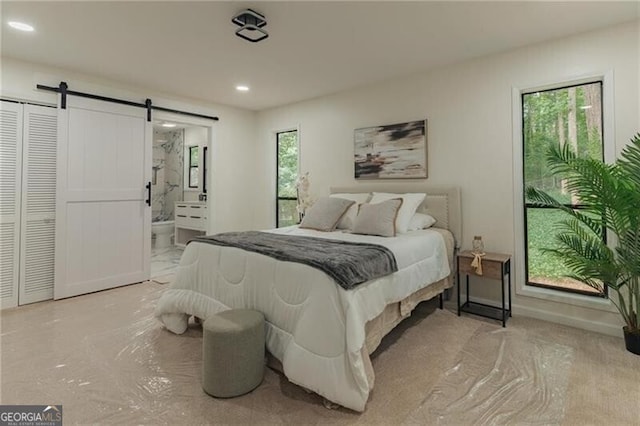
(348, 263)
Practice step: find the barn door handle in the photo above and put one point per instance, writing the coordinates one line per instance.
(148, 200)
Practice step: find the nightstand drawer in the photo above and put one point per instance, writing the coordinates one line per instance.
(490, 268)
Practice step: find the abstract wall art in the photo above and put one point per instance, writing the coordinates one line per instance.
(393, 151)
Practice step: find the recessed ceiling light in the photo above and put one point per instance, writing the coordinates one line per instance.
(168, 125)
(20, 26)
(242, 88)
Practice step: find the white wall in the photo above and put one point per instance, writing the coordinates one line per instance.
(470, 141)
(233, 135)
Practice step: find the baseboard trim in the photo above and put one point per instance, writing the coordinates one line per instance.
(525, 311)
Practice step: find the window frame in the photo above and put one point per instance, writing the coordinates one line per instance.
(277, 181)
(191, 166)
(608, 126)
(528, 206)
(205, 149)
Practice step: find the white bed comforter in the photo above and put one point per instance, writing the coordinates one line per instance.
(314, 326)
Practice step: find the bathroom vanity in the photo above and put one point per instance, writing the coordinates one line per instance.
(190, 221)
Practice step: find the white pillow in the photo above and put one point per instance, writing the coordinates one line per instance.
(347, 221)
(421, 221)
(325, 214)
(378, 219)
(410, 203)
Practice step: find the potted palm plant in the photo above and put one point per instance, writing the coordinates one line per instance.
(610, 198)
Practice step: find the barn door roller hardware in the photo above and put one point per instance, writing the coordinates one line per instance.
(63, 89)
(250, 23)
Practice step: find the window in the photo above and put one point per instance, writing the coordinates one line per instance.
(286, 176)
(204, 169)
(192, 170)
(567, 115)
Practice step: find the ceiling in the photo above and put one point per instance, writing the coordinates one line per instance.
(189, 49)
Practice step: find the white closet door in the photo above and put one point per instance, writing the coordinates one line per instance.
(38, 204)
(10, 190)
(103, 224)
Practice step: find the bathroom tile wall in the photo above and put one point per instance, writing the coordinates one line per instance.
(168, 160)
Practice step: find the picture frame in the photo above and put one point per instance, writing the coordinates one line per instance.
(391, 151)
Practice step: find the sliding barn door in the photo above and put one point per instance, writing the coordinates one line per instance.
(10, 190)
(103, 219)
(38, 204)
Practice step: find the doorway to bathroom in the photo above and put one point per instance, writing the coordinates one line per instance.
(179, 189)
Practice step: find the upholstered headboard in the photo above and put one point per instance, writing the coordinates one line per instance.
(442, 202)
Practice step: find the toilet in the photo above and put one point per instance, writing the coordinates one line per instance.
(163, 232)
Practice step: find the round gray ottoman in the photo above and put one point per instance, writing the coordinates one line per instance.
(233, 352)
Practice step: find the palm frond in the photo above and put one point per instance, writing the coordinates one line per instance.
(598, 285)
(542, 199)
(630, 160)
(574, 226)
(609, 197)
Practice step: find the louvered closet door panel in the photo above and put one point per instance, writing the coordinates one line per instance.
(10, 190)
(37, 258)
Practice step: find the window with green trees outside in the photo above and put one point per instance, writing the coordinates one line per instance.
(566, 115)
(193, 166)
(287, 175)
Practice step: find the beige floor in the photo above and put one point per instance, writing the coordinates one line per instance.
(107, 360)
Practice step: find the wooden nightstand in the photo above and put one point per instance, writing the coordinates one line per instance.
(494, 266)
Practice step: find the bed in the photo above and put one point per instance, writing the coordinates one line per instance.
(321, 333)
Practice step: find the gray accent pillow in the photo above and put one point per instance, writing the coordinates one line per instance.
(378, 219)
(350, 216)
(325, 213)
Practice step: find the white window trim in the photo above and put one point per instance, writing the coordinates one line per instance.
(608, 129)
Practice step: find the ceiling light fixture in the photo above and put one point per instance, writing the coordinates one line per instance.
(250, 23)
(242, 88)
(168, 125)
(20, 26)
